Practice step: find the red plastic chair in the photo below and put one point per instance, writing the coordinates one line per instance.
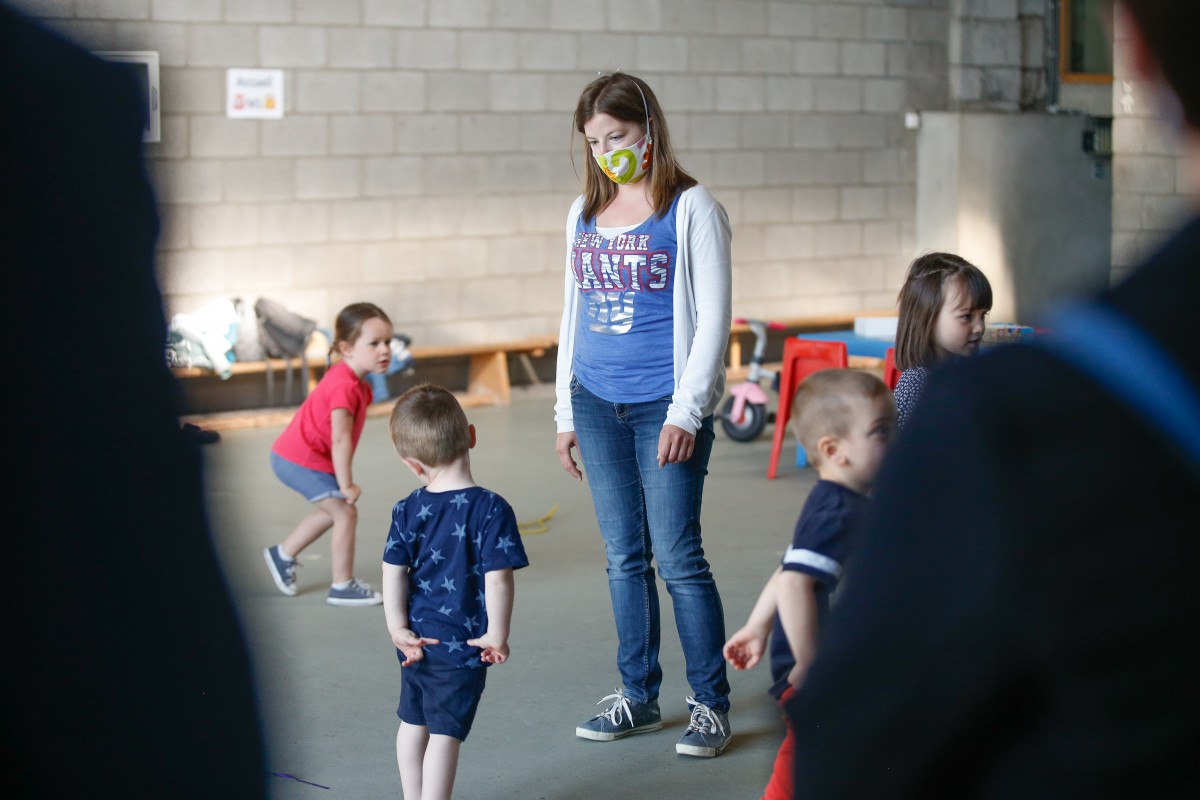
(801, 358)
(890, 374)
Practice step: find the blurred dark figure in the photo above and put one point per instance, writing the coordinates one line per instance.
(1023, 616)
(125, 673)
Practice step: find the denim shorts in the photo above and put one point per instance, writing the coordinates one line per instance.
(313, 484)
(443, 699)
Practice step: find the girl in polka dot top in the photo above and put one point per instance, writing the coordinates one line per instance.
(943, 305)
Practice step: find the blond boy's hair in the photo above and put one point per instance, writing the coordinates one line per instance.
(428, 424)
(822, 405)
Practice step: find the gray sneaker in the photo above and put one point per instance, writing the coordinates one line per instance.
(622, 718)
(356, 593)
(282, 570)
(707, 734)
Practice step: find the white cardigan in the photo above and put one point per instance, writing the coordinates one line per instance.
(702, 312)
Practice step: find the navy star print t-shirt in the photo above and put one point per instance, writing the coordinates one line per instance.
(449, 541)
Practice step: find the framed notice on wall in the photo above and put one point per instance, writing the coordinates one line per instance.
(143, 66)
(254, 94)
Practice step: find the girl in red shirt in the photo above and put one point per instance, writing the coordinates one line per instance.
(313, 455)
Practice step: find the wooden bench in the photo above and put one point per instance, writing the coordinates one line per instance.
(487, 369)
(488, 380)
(309, 366)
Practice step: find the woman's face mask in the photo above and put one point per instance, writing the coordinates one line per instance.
(627, 164)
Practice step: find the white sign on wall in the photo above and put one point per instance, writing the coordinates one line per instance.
(254, 94)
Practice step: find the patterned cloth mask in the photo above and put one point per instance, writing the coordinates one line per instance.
(627, 164)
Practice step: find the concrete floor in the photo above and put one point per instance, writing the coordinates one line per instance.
(329, 680)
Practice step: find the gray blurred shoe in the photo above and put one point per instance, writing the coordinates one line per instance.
(356, 593)
(282, 570)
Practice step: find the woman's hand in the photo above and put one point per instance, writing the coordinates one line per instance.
(563, 445)
(675, 445)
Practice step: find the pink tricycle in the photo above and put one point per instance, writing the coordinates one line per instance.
(744, 415)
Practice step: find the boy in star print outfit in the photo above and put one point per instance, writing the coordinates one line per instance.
(447, 587)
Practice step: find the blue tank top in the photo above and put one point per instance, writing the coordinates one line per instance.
(625, 341)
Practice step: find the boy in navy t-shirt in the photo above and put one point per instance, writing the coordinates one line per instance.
(844, 419)
(447, 587)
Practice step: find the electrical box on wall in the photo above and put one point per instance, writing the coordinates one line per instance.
(143, 65)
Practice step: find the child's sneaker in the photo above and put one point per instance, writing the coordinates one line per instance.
(354, 593)
(282, 570)
(621, 719)
(707, 734)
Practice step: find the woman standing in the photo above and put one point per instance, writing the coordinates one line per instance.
(641, 366)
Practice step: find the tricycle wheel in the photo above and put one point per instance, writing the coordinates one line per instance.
(749, 427)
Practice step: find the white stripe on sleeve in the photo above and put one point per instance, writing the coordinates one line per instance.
(815, 560)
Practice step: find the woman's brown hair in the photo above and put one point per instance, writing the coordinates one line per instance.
(921, 299)
(617, 95)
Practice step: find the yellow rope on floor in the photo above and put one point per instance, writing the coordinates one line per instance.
(538, 525)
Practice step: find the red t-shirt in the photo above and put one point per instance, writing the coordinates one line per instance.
(308, 438)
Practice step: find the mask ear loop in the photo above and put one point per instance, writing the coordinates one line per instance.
(649, 138)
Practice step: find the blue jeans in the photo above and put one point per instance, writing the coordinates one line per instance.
(648, 513)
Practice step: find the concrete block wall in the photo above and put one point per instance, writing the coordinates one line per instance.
(1152, 192)
(1031, 19)
(1016, 194)
(987, 41)
(424, 161)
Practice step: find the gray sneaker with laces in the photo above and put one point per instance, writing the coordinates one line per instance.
(622, 718)
(708, 732)
(356, 593)
(282, 570)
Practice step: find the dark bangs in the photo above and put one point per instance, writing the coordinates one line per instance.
(976, 285)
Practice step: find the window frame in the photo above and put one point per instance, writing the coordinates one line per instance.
(1064, 52)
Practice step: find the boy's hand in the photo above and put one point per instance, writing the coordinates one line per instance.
(493, 650)
(796, 676)
(351, 493)
(745, 648)
(411, 645)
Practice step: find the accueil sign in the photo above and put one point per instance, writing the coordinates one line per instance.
(254, 94)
